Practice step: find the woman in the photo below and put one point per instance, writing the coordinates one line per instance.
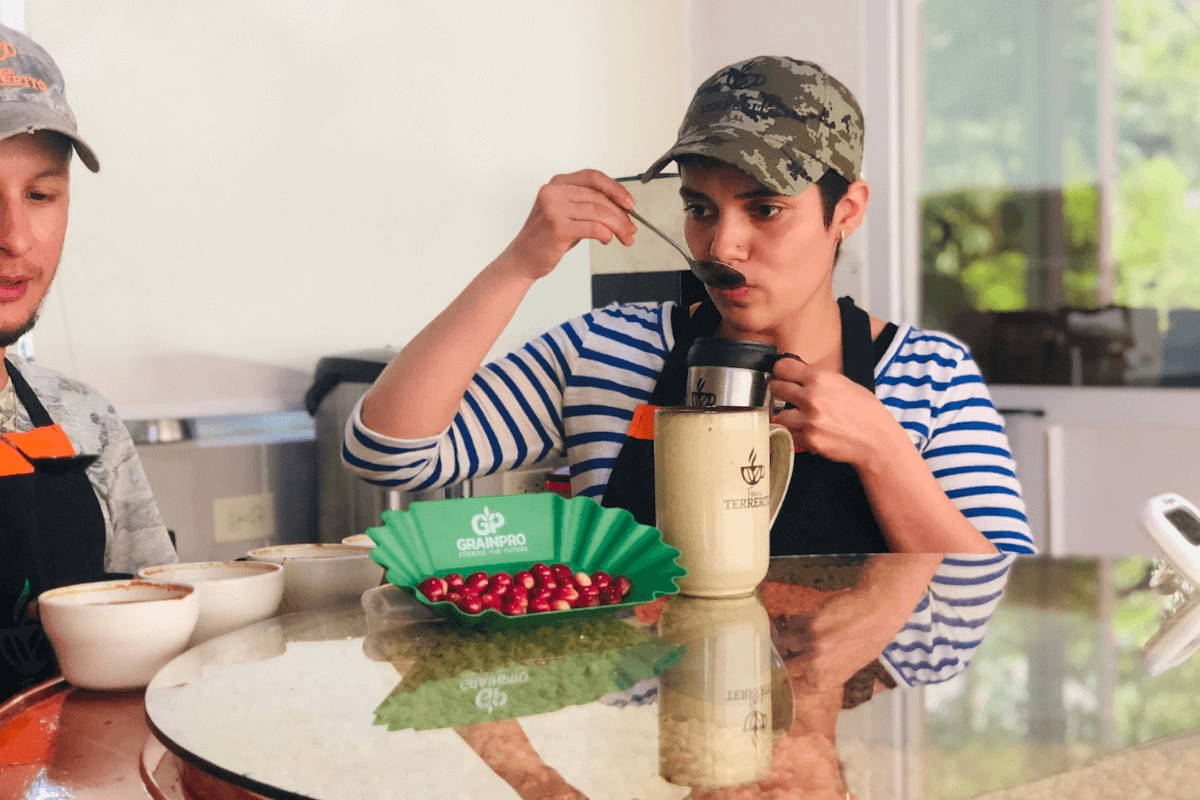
(898, 445)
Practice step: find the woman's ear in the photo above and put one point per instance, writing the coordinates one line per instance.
(849, 211)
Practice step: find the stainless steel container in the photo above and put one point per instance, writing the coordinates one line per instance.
(346, 504)
(728, 372)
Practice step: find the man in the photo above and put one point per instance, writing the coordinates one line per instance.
(75, 505)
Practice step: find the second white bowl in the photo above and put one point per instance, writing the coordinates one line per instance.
(232, 593)
(320, 575)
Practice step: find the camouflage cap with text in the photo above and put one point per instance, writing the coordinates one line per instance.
(33, 96)
(782, 121)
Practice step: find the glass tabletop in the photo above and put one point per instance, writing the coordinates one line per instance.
(888, 676)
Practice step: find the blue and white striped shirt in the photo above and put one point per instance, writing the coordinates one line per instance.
(948, 623)
(574, 389)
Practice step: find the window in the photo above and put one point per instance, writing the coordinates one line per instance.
(1060, 201)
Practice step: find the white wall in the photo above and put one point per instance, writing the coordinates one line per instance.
(283, 179)
(829, 33)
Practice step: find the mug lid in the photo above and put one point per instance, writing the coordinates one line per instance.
(715, 351)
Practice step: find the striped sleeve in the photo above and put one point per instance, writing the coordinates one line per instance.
(620, 361)
(935, 388)
(969, 455)
(510, 416)
(944, 631)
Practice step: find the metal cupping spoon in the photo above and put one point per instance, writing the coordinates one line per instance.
(713, 273)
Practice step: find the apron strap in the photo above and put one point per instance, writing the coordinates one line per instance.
(631, 480)
(37, 412)
(858, 352)
(686, 327)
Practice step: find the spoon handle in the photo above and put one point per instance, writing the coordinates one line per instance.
(665, 238)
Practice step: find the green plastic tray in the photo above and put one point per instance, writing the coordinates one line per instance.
(512, 532)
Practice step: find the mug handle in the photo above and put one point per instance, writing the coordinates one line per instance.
(782, 460)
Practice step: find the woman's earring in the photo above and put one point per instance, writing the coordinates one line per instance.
(843, 235)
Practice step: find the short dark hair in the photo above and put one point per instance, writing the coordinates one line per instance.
(833, 188)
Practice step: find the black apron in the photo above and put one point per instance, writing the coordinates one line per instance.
(51, 534)
(826, 510)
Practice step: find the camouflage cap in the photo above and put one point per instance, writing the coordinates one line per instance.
(781, 121)
(33, 96)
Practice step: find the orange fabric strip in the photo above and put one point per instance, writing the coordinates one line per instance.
(642, 426)
(49, 441)
(12, 462)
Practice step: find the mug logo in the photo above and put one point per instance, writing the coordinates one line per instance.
(487, 523)
(755, 721)
(701, 398)
(753, 472)
(490, 699)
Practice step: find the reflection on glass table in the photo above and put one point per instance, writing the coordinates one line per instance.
(781, 694)
(1060, 688)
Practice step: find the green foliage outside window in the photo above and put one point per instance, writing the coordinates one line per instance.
(1010, 217)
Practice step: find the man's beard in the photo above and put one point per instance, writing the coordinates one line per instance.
(9, 336)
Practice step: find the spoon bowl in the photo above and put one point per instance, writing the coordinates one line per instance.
(717, 274)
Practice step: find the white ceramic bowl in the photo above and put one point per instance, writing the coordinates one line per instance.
(232, 593)
(117, 634)
(359, 540)
(321, 575)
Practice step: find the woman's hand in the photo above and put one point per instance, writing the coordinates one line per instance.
(836, 418)
(418, 394)
(833, 416)
(581, 205)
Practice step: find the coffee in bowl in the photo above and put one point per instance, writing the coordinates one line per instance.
(114, 635)
(232, 593)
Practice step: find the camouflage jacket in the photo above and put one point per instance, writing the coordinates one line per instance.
(135, 533)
